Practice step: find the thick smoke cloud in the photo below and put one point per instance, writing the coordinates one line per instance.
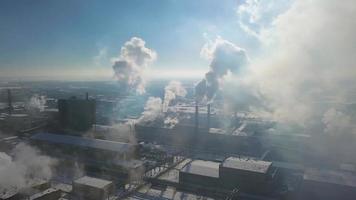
(134, 58)
(37, 103)
(24, 168)
(152, 110)
(224, 57)
(254, 16)
(156, 111)
(171, 91)
(306, 74)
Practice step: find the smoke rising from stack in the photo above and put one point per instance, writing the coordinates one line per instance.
(24, 168)
(129, 67)
(156, 111)
(171, 91)
(152, 110)
(224, 57)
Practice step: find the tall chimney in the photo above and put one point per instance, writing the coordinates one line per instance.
(87, 96)
(208, 117)
(9, 99)
(196, 117)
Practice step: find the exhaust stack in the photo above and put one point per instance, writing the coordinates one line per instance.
(208, 118)
(9, 99)
(196, 117)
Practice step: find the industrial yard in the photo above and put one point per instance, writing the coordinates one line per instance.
(197, 158)
(177, 100)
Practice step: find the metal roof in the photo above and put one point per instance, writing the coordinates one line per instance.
(257, 166)
(203, 168)
(84, 142)
(93, 182)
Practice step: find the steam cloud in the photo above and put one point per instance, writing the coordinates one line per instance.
(133, 60)
(224, 57)
(37, 103)
(23, 169)
(152, 110)
(306, 73)
(171, 91)
(157, 111)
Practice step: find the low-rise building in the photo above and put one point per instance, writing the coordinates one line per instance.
(246, 174)
(89, 188)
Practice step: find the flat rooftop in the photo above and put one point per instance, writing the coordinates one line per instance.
(330, 176)
(93, 182)
(203, 168)
(84, 142)
(246, 164)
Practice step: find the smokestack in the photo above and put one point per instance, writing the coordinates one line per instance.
(208, 117)
(87, 96)
(9, 99)
(196, 117)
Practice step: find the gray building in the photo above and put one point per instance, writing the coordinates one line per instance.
(89, 188)
(200, 173)
(246, 174)
(77, 114)
(328, 185)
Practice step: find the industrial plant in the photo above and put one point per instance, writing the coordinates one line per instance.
(177, 100)
(201, 153)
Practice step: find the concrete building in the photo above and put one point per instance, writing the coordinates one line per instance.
(200, 173)
(48, 194)
(85, 147)
(89, 188)
(101, 158)
(15, 121)
(203, 140)
(246, 174)
(328, 185)
(77, 114)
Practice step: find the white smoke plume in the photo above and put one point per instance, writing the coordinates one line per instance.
(152, 110)
(171, 91)
(24, 168)
(133, 60)
(337, 122)
(123, 132)
(255, 16)
(224, 57)
(308, 64)
(37, 103)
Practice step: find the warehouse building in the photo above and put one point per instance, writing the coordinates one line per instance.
(77, 114)
(200, 173)
(85, 147)
(246, 174)
(327, 185)
(102, 158)
(89, 188)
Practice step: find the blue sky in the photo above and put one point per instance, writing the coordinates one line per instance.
(59, 38)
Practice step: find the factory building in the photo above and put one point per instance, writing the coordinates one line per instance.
(89, 188)
(102, 158)
(248, 175)
(202, 140)
(328, 185)
(15, 121)
(77, 114)
(48, 194)
(218, 179)
(200, 173)
(85, 147)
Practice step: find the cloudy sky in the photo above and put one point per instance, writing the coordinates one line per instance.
(80, 38)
